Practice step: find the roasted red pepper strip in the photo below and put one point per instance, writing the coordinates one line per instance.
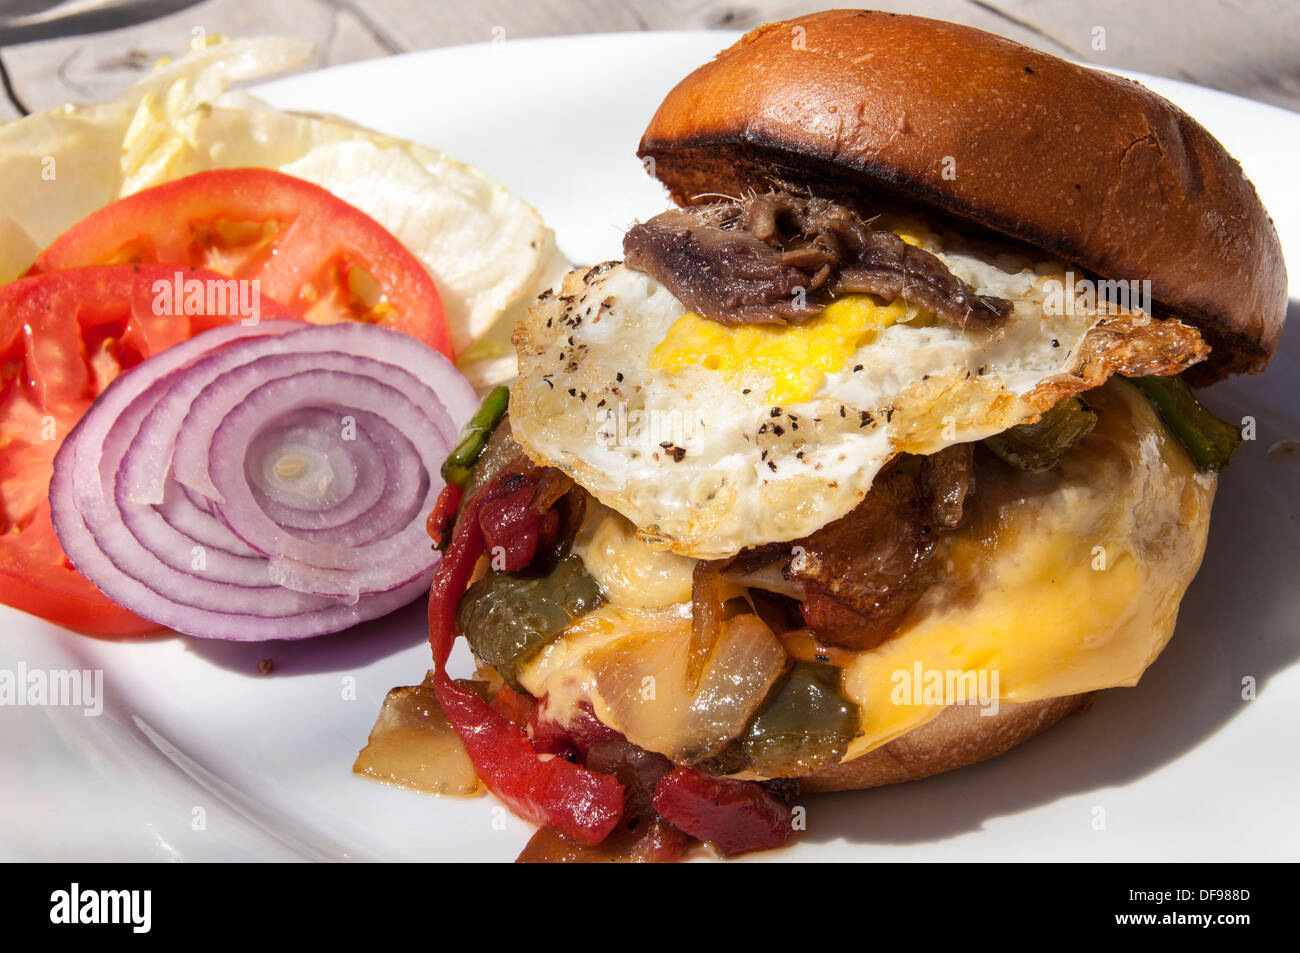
(733, 816)
(511, 529)
(518, 709)
(578, 803)
(443, 515)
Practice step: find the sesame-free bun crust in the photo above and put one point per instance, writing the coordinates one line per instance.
(1092, 168)
(959, 735)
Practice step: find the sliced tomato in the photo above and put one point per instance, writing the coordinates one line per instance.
(64, 337)
(324, 259)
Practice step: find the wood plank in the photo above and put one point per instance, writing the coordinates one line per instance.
(417, 25)
(99, 65)
(7, 109)
(1248, 48)
(721, 14)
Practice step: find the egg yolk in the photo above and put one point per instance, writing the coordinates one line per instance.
(797, 356)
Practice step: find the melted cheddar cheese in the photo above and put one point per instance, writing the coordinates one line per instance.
(1061, 582)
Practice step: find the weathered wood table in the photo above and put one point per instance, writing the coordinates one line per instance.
(1247, 47)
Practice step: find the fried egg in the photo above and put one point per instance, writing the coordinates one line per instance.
(713, 438)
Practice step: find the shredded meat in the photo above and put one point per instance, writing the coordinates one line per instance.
(777, 258)
(865, 571)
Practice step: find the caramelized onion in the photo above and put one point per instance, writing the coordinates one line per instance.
(654, 841)
(706, 619)
(414, 746)
(644, 680)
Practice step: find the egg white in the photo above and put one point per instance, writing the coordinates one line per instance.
(705, 465)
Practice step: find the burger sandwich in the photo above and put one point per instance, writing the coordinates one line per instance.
(876, 455)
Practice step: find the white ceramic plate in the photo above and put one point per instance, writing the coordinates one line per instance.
(196, 756)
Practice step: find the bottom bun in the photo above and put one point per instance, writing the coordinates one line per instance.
(957, 736)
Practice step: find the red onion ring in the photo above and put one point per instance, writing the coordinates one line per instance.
(311, 454)
(365, 471)
(160, 431)
(180, 512)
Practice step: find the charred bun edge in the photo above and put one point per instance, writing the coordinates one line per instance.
(958, 736)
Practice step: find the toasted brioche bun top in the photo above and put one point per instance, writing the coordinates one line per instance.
(1095, 169)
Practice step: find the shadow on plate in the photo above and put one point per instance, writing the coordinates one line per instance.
(342, 651)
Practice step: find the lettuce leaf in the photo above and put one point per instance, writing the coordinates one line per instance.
(488, 251)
